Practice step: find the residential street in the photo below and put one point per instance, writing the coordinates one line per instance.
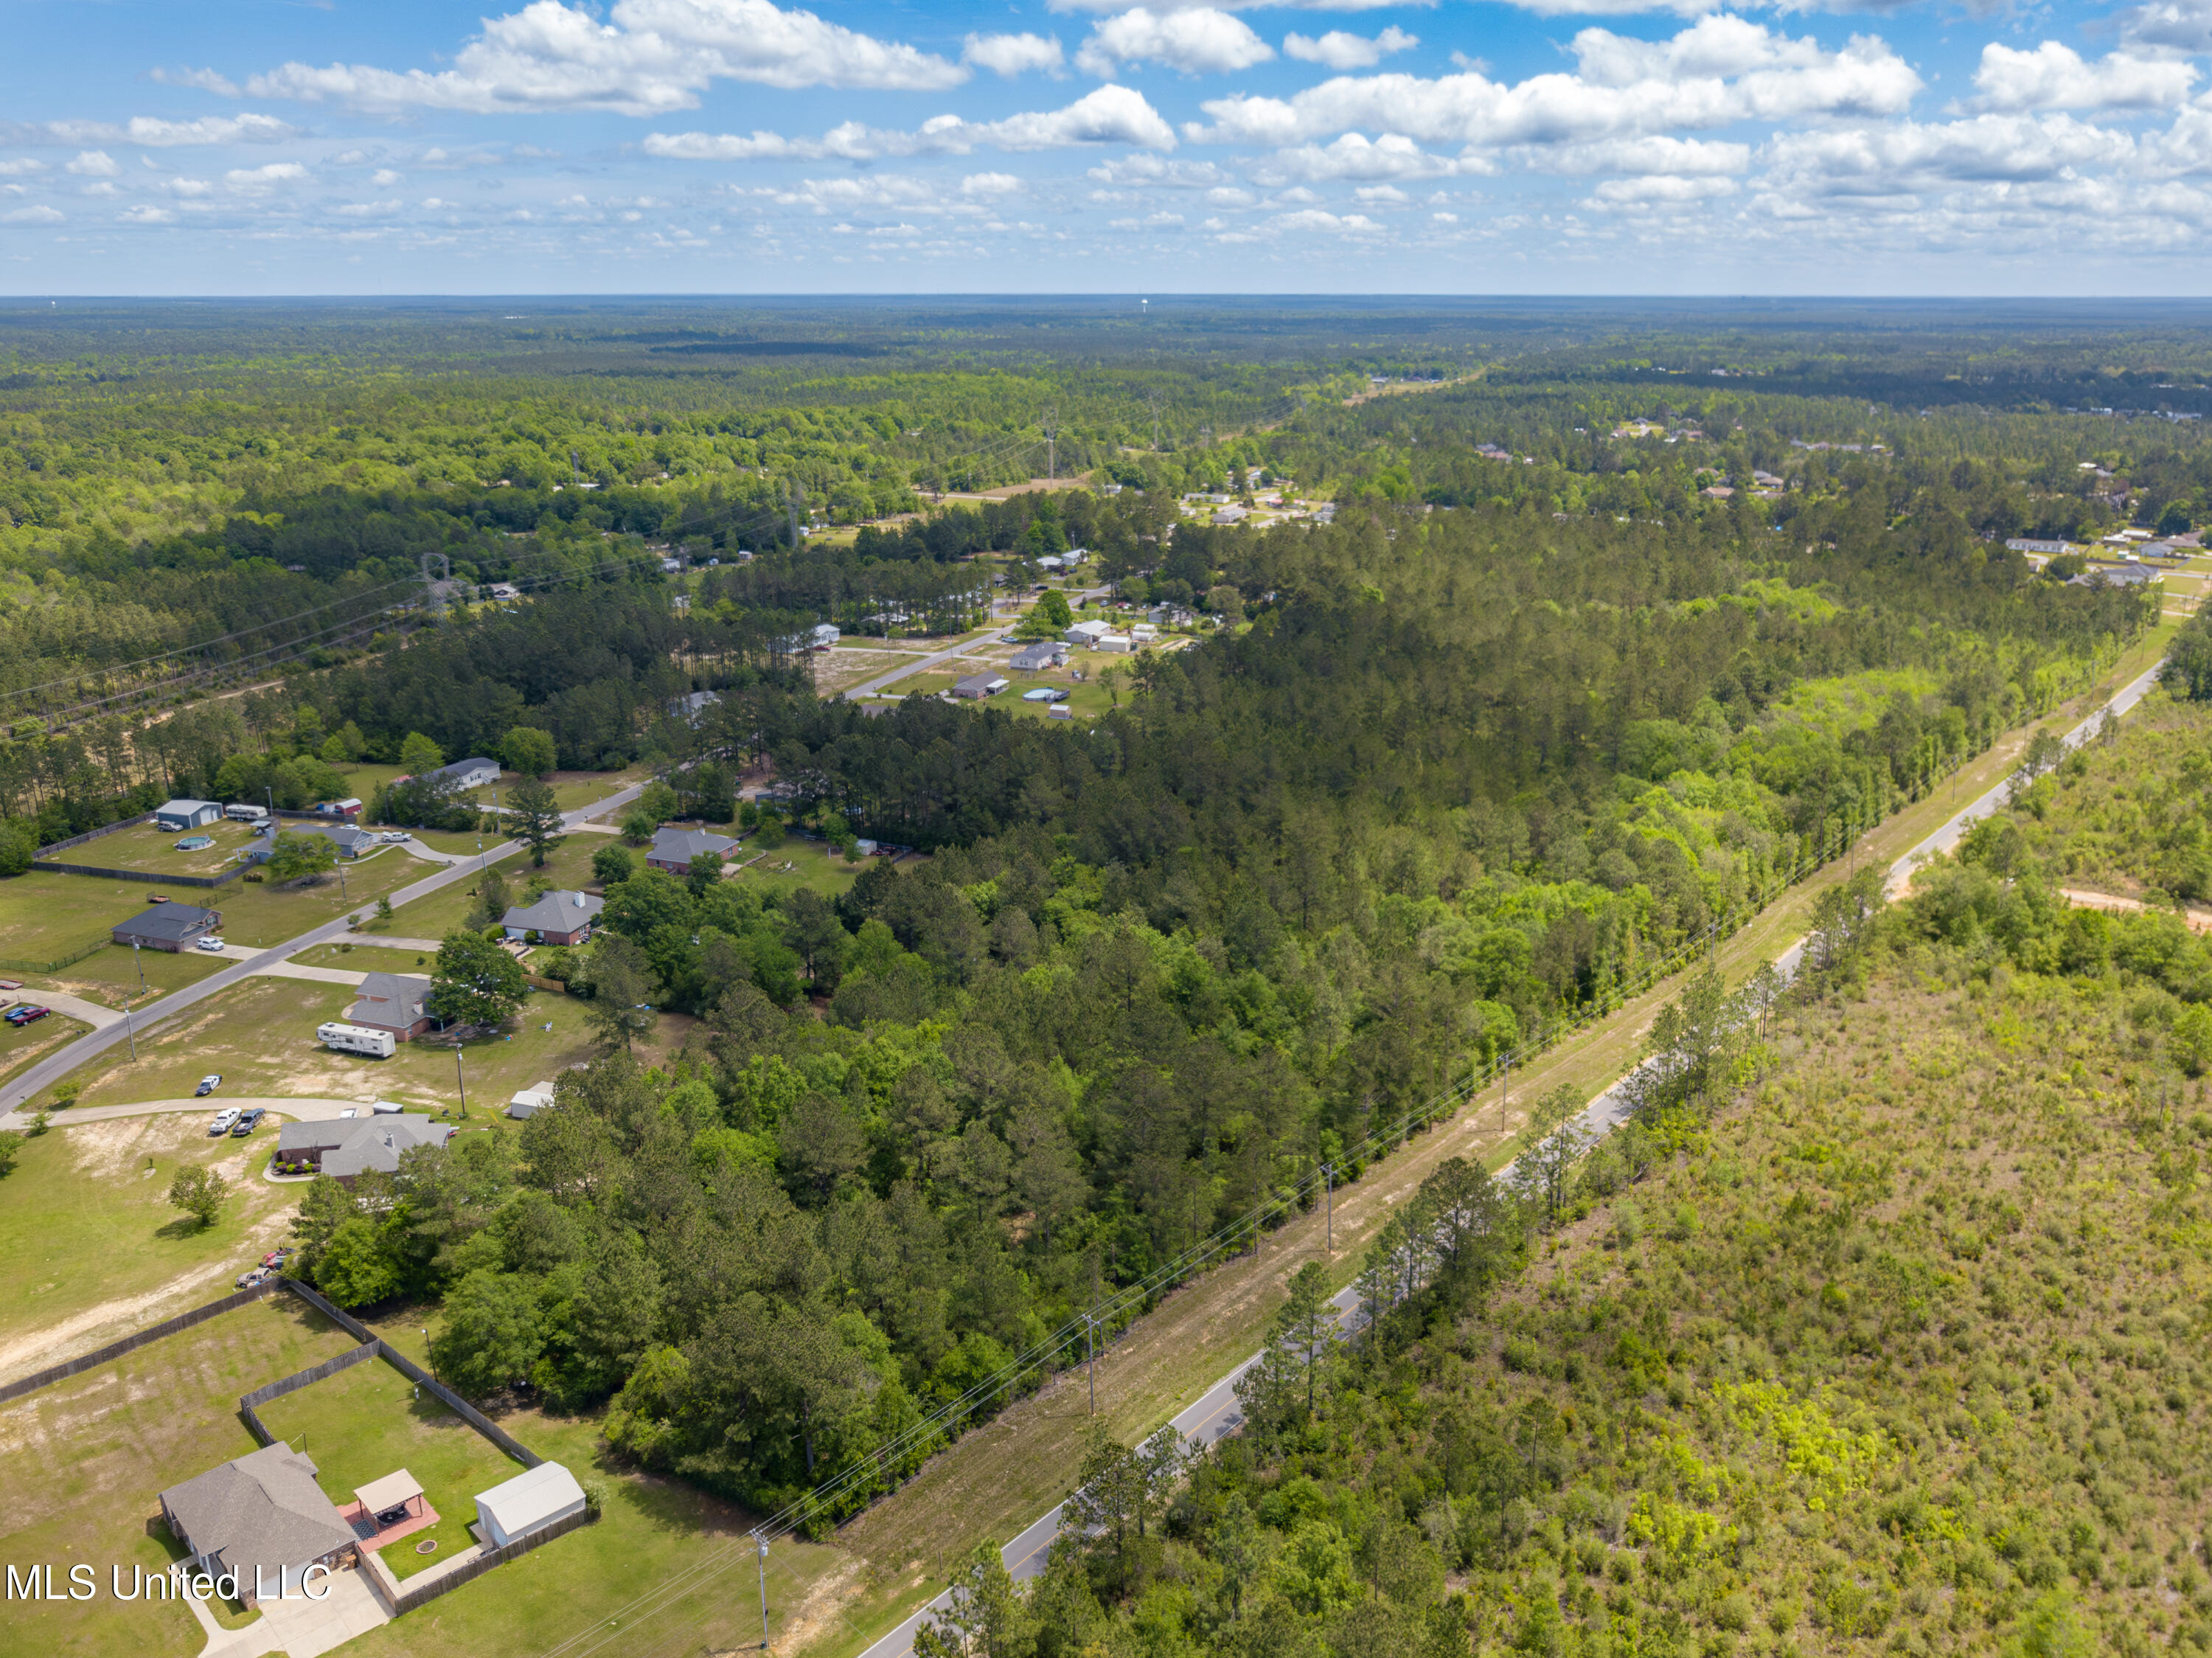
(58, 1065)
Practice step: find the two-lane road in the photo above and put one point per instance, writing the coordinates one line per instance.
(1215, 1412)
(67, 1059)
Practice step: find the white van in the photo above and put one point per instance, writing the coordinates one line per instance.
(357, 1039)
(246, 814)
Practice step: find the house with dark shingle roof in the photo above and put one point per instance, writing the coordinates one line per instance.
(345, 1147)
(166, 926)
(263, 1518)
(556, 918)
(672, 849)
(397, 1002)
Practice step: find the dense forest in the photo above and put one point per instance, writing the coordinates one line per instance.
(1541, 710)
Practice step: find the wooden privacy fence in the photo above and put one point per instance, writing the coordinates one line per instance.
(116, 1350)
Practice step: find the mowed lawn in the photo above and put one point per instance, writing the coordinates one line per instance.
(370, 1421)
(567, 867)
(154, 850)
(667, 1569)
(260, 1035)
(25, 1045)
(92, 1247)
(89, 1458)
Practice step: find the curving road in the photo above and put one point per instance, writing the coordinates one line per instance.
(64, 1060)
(1215, 1413)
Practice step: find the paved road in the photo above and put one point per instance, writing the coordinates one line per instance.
(88, 1013)
(919, 664)
(67, 1059)
(1215, 1413)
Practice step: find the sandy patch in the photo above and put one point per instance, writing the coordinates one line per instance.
(97, 1325)
(824, 1600)
(110, 1148)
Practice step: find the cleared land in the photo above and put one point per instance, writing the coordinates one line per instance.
(89, 1458)
(567, 867)
(154, 850)
(260, 1034)
(92, 1247)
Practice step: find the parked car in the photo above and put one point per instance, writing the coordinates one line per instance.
(211, 944)
(394, 835)
(248, 1120)
(209, 1084)
(26, 1013)
(254, 1275)
(223, 1119)
(275, 1257)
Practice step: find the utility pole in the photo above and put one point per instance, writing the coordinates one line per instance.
(794, 496)
(575, 470)
(1051, 438)
(760, 1559)
(462, 1081)
(1091, 1356)
(1504, 1083)
(1328, 1204)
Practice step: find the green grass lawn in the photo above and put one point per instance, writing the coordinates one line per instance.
(24, 1044)
(370, 1421)
(154, 850)
(46, 917)
(814, 865)
(654, 1533)
(365, 958)
(90, 1457)
(260, 1034)
(567, 867)
(92, 1247)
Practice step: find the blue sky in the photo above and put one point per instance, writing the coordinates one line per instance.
(913, 146)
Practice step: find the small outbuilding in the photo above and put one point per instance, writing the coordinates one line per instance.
(529, 1502)
(528, 1102)
(177, 815)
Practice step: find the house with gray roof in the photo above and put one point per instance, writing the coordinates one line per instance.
(262, 1518)
(168, 926)
(398, 1002)
(471, 773)
(351, 842)
(1029, 659)
(673, 849)
(347, 1147)
(556, 918)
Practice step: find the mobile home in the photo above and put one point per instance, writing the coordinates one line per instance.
(357, 1039)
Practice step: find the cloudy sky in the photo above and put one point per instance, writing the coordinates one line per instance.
(753, 146)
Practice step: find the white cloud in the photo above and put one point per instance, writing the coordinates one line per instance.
(1341, 50)
(2169, 26)
(16, 169)
(255, 180)
(1909, 155)
(1313, 219)
(145, 214)
(1654, 154)
(1715, 73)
(94, 164)
(153, 134)
(31, 215)
(654, 56)
(369, 210)
(2054, 76)
(206, 80)
(1660, 190)
(1354, 156)
(1198, 41)
(1243, 5)
(1112, 114)
(1627, 8)
(1010, 55)
(1385, 195)
(189, 188)
(1137, 172)
(990, 183)
(384, 176)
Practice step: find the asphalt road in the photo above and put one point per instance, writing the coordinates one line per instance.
(58, 1065)
(1215, 1413)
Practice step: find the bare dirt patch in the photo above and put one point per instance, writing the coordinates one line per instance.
(110, 1320)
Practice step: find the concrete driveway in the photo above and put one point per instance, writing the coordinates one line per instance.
(304, 1628)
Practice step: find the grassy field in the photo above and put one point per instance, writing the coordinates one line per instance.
(46, 917)
(991, 1485)
(812, 864)
(347, 956)
(89, 1458)
(667, 1569)
(567, 867)
(24, 1044)
(370, 1421)
(93, 1249)
(154, 850)
(260, 1034)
